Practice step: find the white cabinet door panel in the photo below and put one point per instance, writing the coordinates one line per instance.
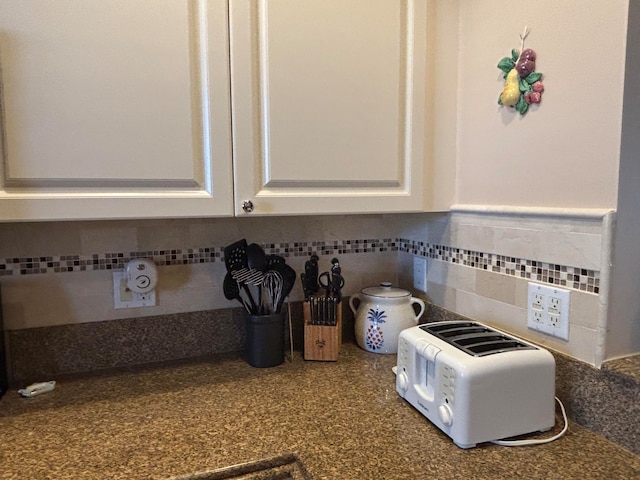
(114, 109)
(328, 105)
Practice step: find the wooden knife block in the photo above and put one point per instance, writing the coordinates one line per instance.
(322, 342)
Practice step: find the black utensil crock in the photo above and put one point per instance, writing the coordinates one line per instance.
(264, 346)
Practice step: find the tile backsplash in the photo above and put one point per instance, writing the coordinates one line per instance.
(478, 265)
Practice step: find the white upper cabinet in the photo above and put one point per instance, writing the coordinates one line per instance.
(187, 108)
(328, 105)
(114, 109)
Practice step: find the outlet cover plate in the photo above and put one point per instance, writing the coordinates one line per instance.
(420, 273)
(548, 310)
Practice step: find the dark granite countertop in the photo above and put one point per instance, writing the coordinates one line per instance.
(343, 421)
(625, 367)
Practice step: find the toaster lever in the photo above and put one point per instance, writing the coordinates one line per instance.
(427, 350)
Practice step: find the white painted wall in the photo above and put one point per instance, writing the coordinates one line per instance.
(623, 327)
(577, 150)
(564, 153)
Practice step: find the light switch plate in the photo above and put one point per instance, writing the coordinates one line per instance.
(420, 273)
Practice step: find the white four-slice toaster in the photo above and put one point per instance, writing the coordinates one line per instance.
(476, 383)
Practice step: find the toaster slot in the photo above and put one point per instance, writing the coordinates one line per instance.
(443, 328)
(465, 340)
(458, 330)
(475, 339)
(489, 348)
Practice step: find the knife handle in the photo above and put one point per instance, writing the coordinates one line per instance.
(307, 313)
(303, 281)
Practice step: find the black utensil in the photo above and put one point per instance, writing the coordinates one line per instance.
(256, 258)
(235, 255)
(311, 275)
(325, 282)
(274, 260)
(337, 280)
(247, 276)
(288, 280)
(305, 289)
(272, 286)
(235, 259)
(332, 284)
(257, 261)
(231, 291)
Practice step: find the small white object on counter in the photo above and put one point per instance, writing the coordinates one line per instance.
(37, 388)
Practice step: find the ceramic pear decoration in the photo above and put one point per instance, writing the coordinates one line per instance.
(523, 86)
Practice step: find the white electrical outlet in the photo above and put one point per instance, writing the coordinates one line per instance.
(124, 297)
(538, 316)
(548, 310)
(554, 305)
(537, 300)
(420, 273)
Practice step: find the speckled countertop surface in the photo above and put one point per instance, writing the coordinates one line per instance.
(343, 420)
(628, 366)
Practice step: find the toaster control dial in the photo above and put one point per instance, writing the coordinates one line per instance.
(445, 414)
(403, 381)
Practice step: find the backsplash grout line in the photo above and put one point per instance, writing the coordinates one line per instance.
(573, 277)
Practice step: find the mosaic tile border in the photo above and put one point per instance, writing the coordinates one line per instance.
(117, 261)
(562, 275)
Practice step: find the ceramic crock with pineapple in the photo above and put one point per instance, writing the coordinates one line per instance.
(381, 314)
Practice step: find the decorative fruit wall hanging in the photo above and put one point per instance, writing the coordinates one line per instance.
(523, 85)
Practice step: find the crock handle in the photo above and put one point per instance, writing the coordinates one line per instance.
(419, 302)
(355, 296)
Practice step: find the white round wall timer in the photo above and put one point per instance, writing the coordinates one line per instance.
(142, 275)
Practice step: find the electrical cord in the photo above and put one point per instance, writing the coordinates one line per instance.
(524, 443)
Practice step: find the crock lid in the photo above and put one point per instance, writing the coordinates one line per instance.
(385, 290)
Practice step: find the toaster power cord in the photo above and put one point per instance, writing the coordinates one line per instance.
(524, 443)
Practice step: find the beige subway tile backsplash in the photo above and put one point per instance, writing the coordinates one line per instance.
(480, 238)
(478, 265)
(496, 286)
(102, 237)
(494, 312)
(443, 296)
(585, 309)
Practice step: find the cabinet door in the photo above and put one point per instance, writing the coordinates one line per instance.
(114, 109)
(328, 100)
